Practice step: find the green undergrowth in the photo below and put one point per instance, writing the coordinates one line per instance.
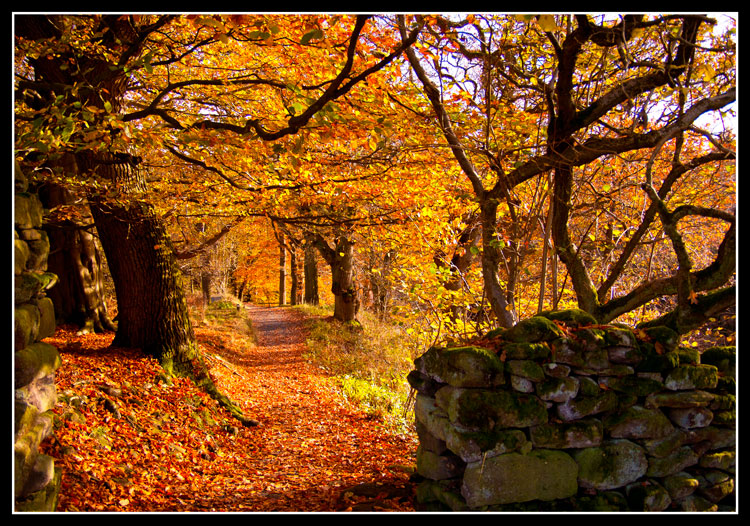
(369, 358)
(224, 315)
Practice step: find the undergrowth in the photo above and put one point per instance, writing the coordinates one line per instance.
(369, 358)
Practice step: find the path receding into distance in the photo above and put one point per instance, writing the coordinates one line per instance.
(311, 446)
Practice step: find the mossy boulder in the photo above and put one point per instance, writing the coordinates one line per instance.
(648, 496)
(668, 338)
(29, 284)
(525, 350)
(28, 211)
(558, 389)
(21, 255)
(724, 358)
(526, 369)
(680, 399)
(635, 385)
(37, 360)
(673, 463)
(438, 466)
(583, 406)
(462, 366)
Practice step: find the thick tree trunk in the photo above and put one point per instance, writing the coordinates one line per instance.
(75, 259)
(152, 311)
(341, 261)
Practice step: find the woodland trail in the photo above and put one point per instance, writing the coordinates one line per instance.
(171, 449)
(312, 444)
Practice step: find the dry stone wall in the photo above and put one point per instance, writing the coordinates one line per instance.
(561, 414)
(36, 481)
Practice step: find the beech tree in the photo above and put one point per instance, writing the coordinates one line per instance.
(594, 82)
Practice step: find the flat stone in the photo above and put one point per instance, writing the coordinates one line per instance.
(539, 475)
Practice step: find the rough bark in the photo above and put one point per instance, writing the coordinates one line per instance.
(74, 257)
(341, 260)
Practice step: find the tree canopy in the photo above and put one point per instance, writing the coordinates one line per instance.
(466, 169)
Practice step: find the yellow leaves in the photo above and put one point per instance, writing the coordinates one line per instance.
(547, 23)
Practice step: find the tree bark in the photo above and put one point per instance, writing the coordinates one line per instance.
(341, 261)
(282, 271)
(75, 259)
(312, 296)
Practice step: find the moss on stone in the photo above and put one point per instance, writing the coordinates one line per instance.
(634, 385)
(656, 362)
(638, 422)
(570, 317)
(617, 335)
(724, 358)
(469, 366)
(612, 465)
(483, 410)
(668, 338)
(526, 369)
(535, 329)
(582, 433)
(686, 377)
(526, 351)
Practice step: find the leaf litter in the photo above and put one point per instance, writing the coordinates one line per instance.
(129, 441)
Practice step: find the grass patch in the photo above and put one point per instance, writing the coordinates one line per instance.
(370, 360)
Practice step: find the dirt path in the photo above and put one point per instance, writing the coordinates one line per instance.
(312, 446)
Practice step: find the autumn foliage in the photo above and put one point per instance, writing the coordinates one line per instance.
(128, 440)
(447, 173)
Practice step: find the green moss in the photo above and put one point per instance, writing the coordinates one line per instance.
(724, 358)
(656, 362)
(526, 351)
(570, 317)
(668, 338)
(533, 330)
(688, 356)
(635, 385)
(692, 377)
(527, 369)
(483, 410)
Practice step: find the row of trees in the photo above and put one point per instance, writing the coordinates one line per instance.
(513, 160)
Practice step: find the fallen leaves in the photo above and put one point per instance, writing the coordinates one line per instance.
(128, 441)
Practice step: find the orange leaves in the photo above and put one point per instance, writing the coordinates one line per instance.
(173, 449)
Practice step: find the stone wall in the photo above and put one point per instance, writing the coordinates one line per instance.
(561, 414)
(36, 481)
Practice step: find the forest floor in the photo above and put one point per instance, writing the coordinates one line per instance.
(128, 441)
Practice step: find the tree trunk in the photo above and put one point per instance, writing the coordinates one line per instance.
(495, 292)
(296, 291)
(341, 261)
(311, 275)
(75, 259)
(152, 310)
(282, 272)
